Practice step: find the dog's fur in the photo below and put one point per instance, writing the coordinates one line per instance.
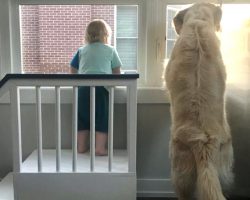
(201, 147)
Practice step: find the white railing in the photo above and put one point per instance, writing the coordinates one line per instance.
(14, 81)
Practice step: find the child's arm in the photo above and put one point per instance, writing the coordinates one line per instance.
(74, 64)
(116, 63)
(116, 70)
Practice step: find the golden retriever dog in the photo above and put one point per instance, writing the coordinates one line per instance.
(201, 147)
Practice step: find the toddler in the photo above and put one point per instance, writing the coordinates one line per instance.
(96, 57)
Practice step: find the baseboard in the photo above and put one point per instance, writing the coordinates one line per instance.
(155, 188)
(159, 188)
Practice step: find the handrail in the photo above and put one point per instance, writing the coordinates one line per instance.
(13, 82)
(4, 87)
(8, 77)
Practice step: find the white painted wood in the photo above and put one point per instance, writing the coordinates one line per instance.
(110, 133)
(15, 39)
(77, 186)
(74, 124)
(54, 161)
(92, 128)
(39, 128)
(6, 188)
(144, 95)
(145, 188)
(157, 187)
(16, 128)
(120, 162)
(5, 39)
(131, 125)
(87, 2)
(4, 90)
(58, 129)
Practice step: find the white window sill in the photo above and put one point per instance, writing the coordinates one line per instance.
(144, 96)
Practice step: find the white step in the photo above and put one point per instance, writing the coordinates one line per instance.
(6, 188)
(120, 162)
(120, 166)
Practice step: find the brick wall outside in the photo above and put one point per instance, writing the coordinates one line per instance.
(30, 39)
(52, 34)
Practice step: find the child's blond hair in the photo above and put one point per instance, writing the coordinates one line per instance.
(98, 31)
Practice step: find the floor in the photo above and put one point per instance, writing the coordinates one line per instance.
(119, 164)
(152, 198)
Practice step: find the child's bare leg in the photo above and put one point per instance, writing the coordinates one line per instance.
(82, 141)
(101, 140)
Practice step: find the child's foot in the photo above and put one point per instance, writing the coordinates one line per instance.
(101, 140)
(82, 150)
(101, 152)
(82, 138)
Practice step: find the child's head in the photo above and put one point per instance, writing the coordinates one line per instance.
(98, 31)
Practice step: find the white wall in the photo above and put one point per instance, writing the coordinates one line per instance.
(4, 39)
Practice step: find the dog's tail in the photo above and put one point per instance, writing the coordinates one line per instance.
(208, 184)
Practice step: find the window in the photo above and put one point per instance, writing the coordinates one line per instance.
(143, 35)
(235, 43)
(135, 42)
(234, 39)
(127, 36)
(171, 34)
(51, 34)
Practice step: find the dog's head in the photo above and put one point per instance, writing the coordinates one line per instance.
(200, 11)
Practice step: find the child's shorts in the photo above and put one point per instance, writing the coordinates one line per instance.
(101, 108)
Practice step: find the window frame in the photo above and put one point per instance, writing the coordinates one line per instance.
(151, 35)
(15, 31)
(117, 38)
(151, 39)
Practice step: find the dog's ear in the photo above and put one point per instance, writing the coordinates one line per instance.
(178, 20)
(217, 17)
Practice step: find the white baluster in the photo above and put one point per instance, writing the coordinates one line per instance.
(92, 129)
(16, 128)
(110, 133)
(131, 125)
(74, 123)
(58, 129)
(39, 129)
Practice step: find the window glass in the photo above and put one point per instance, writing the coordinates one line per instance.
(51, 34)
(234, 37)
(127, 48)
(127, 21)
(127, 36)
(171, 35)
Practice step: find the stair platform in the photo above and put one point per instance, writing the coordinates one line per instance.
(120, 162)
(82, 184)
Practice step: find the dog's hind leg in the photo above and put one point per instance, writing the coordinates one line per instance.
(183, 171)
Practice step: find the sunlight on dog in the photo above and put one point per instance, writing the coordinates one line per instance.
(201, 145)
